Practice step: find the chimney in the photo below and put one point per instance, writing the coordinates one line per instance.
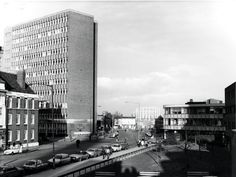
(191, 100)
(21, 78)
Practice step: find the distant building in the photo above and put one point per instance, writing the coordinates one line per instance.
(159, 126)
(1, 56)
(145, 117)
(125, 122)
(195, 120)
(18, 111)
(60, 50)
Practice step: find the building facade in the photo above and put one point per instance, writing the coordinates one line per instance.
(195, 120)
(59, 50)
(1, 56)
(51, 123)
(18, 112)
(145, 117)
(125, 122)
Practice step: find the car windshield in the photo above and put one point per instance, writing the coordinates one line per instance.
(31, 162)
(91, 150)
(116, 145)
(58, 156)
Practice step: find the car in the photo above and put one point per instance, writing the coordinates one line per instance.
(116, 147)
(124, 146)
(114, 135)
(35, 165)
(60, 159)
(11, 171)
(94, 152)
(82, 155)
(12, 151)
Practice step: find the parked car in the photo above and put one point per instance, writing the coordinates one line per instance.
(11, 171)
(60, 159)
(94, 152)
(124, 146)
(12, 151)
(82, 155)
(116, 147)
(35, 165)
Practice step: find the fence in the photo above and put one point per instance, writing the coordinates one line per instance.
(96, 166)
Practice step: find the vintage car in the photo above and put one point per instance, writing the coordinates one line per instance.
(35, 165)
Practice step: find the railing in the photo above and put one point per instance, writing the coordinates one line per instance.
(195, 116)
(199, 128)
(104, 163)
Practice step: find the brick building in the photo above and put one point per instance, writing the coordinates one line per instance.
(18, 111)
(60, 50)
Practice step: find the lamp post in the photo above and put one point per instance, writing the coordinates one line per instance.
(139, 114)
(53, 145)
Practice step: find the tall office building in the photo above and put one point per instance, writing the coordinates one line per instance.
(60, 50)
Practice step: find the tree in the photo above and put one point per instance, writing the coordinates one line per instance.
(107, 119)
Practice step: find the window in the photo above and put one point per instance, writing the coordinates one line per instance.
(9, 119)
(10, 102)
(32, 134)
(18, 102)
(25, 134)
(26, 119)
(10, 136)
(32, 119)
(26, 103)
(18, 119)
(0, 110)
(17, 135)
(32, 104)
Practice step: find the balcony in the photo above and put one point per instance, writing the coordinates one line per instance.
(196, 128)
(194, 116)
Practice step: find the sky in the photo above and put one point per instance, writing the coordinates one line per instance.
(151, 53)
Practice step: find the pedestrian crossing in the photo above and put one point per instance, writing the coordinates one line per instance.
(141, 174)
(149, 173)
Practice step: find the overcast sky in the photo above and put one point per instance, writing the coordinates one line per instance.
(152, 53)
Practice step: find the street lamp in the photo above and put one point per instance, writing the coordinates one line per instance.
(53, 146)
(139, 114)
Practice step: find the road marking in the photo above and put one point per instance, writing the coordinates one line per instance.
(149, 173)
(197, 173)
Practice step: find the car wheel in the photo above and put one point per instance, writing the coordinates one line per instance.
(12, 153)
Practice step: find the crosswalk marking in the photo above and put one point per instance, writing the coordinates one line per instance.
(149, 173)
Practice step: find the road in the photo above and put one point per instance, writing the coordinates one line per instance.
(45, 151)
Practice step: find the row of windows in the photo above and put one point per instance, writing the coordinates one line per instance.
(18, 133)
(40, 35)
(44, 83)
(54, 41)
(49, 72)
(18, 117)
(56, 92)
(41, 54)
(43, 23)
(18, 103)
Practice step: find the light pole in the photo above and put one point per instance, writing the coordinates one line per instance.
(53, 146)
(139, 115)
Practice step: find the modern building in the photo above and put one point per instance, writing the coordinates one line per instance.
(18, 111)
(125, 122)
(195, 120)
(51, 123)
(60, 50)
(146, 116)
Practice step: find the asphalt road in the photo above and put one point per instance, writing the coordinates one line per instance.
(45, 151)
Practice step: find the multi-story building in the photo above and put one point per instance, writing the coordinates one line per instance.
(145, 117)
(125, 122)
(51, 123)
(60, 50)
(195, 120)
(230, 113)
(18, 111)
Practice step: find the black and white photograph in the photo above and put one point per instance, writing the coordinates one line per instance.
(118, 88)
